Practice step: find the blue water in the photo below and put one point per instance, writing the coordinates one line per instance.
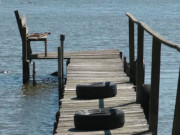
(88, 25)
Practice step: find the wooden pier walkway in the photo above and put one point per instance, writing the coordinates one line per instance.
(98, 66)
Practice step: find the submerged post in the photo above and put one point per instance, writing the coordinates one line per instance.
(155, 81)
(140, 67)
(176, 123)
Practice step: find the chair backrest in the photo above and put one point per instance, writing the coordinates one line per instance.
(21, 21)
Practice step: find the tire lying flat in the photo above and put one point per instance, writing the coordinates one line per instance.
(99, 119)
(96, 90)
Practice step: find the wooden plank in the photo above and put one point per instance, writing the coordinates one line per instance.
(94, 52)
(110, 54)
(87, 70)
(54, 56)
(82, 61)
(97, 65)
(95, 68)
(92, 74)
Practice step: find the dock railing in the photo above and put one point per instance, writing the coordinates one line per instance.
(136, 69)
(61, 66)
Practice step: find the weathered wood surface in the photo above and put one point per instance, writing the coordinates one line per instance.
(140, 67)
(155, 82)
(90, 69)
(110, 54)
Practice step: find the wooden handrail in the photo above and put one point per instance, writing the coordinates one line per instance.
(154, 34)
(158, 40)
(132, 17)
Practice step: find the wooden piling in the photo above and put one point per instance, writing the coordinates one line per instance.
(26, 50)
(60, 72)
(131, 51)
(61, 66)
(26, 62)
(176, 123)
(45, 48)
(125, 64)
(34, 74)
(155, 80)
(140, 67)
(62, 38)
(18, 22)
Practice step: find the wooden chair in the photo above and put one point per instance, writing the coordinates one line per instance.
(30, 37)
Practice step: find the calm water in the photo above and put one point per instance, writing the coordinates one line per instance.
(87, 24)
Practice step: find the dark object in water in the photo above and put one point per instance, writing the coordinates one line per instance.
(55, 74)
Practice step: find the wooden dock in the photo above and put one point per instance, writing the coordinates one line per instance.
(98, 66)
(106, 65)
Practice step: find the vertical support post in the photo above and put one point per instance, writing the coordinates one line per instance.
(18, 22)
(140, 68)
(60, 73)
(61, 66)
(67, 63)
(125, 64)
(34, 74)
(62, 38)
(155, 81)
(26, 70)
(131, 51)
(45, 42)
(176, 123)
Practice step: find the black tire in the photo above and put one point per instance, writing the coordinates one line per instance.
(99, 119)
(96, 90)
